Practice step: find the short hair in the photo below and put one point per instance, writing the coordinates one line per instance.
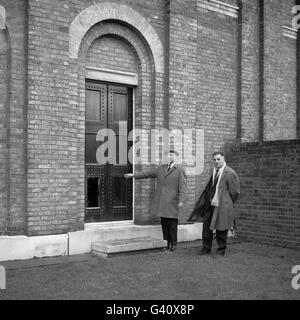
(172, 151)
(218, 152)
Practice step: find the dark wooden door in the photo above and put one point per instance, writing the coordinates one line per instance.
(108, 196)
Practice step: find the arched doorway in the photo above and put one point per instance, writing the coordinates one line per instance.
(109, 91)
(144, 77)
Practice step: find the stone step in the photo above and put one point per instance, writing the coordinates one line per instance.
(112, 247)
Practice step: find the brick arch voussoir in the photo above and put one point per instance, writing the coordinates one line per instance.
(144, 58)
(112, 11)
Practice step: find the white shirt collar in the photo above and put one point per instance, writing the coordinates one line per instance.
(220, 170)
(172, 164)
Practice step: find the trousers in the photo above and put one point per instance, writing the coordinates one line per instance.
(169, 229)
(207, 233)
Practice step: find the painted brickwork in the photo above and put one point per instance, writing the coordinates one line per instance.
(268, 209)
(195, 86)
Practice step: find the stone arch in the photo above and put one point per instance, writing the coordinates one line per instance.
(112, 28)
(112, 11)
(143, 55)
(108, 19)
(145, 92)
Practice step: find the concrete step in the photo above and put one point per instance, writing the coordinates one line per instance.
(81, 241)
(112, 247)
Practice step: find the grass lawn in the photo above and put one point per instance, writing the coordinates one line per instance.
(247, 271)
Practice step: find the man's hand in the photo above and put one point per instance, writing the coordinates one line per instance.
(128, 175)
(180, 204)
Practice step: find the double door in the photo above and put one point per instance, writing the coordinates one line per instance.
(108, 195)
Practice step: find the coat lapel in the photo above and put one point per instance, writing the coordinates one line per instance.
(165, 169)
(223, 174)
(199, 208)
(171, 170)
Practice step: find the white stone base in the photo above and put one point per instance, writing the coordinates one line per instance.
(23, 247)
(16, 247)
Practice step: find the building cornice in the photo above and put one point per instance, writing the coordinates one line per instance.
(219, 7)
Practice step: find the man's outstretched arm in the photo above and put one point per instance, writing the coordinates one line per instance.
(150, 173)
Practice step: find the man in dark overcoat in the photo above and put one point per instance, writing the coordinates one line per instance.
(170, 195)
(215, 205)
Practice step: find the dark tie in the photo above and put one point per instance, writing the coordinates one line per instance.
(216, 177)
(169, 167)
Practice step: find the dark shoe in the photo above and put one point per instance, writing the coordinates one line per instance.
(173, 247)
(168, 246)
(220, 252)
(204, 252)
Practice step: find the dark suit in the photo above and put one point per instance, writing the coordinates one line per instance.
(170, 190)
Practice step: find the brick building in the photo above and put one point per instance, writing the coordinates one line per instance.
(71, 67)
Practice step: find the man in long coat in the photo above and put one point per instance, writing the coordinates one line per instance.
(215, 205)
(170, 195)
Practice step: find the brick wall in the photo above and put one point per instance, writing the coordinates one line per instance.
(216, 84)
(56, 95)
(52, 146)
(15, 114)
(268, 208)
(4, 80)
(199, 90)
(279, 73)
(250, 71)
(183, 71)
(112, 53)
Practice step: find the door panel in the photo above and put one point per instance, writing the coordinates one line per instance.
(119, 107)
(93, 102)
(93, 196)
(108, 194)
